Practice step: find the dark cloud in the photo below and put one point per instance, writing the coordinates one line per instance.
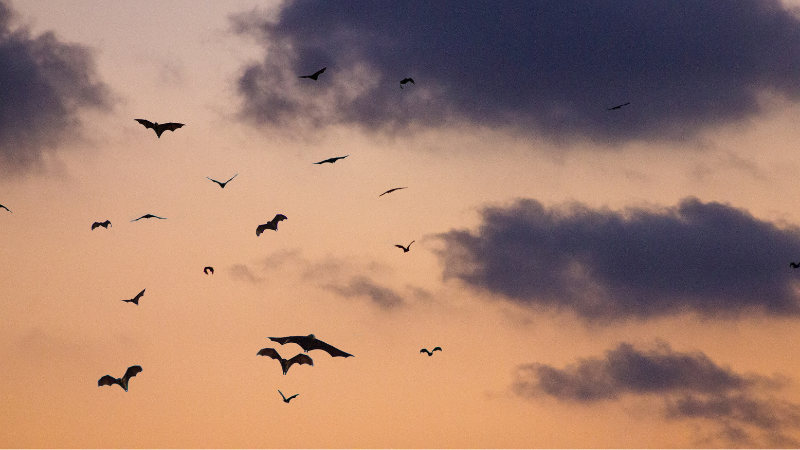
(44, 84)
(547, 67)
(707, 258)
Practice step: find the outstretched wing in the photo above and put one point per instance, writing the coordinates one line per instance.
(271, 352)
(108, 380)
(95, 225)
(278, 218)
(300, 358)
(260, 229)
(399, 246)
(287, 400)
(1, 206)
(319, 72)
(215, 181)
(231, 179)
(132, 371)
(436, 348)
(171, 126)
(316, 344)
(329, 160)
(146, 123)
(138, 296)
(425, 350)
(284, 397)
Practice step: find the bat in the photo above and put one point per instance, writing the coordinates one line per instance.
(332, 160)
(148, 216)
(105, 224)
(286, 400)
(159, 128)
(271, 225)
(135, 300)
(108, 380)
(406, 80)
(310, 343)
(1, 206)
(425, 350)
(207, 269)
(392, 190)
(222, 185)
(618, 106)
(300, 358)
(315, 75)
(794, 265)
(405, 249)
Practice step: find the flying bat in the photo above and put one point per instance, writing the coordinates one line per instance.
(392, 190)
(159, 128)
(794, 265)
(105, 224)
(405, 249)
(222, 185)
(300, 358)
(310, 343)
(271, 225)
(148, 216)
(1, 206)
(108, 380)
(406, 80)
(135, 300)
(286, 400)
(315, 75)
(425, 350)
(332, 160)
(618, 106)
(207, 269)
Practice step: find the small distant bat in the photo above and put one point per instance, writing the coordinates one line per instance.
(794, 265)
(405, 249)
(424, 350)
(1, 206)
(406, 80)
(148, 216)
(300, 358)
(105, 224)
(222, 185)
(108, 380)
(315, 75)
(271, 225)
(392, 190)
(135, 300)
(208, 269)
(159, 128)
(310, 343)
(332, 160)
(286, 400)
(618, 106)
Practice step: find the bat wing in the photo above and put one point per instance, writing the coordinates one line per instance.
(139, 295)
(215, 181)
(288, 339)
(107, 380)
(278, 218)
(132, 371)
(260, 229)
(329, 160)
(146, 123)
(399, 246)
(316, 344)
(436, 348)
(295, 395)
(171, 126)
(1, 206)
(301, 358)
(231, 179)
(425, 350)
(95, 225)
(271, 352)
(319, 72)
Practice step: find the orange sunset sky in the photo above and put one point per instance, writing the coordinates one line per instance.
(595, 277)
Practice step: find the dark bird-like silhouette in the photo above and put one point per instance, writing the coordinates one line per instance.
(794, 265)
(148, 216)
(392, 190)
(315, 75)
(271, 225)
(208, 269)
(105, 224)
(286, 400)
(1, 206)
(159, 128)
(332, 160)
(618, 106)
(221, 184)
(310, 343)
(406, 80)
(300, 358)
(405, 249)
(108, 380)
(425, 350)
(135, 300)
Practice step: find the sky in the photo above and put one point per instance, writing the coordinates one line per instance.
(595, 277)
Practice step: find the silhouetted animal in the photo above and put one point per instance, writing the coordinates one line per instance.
(332, 160)
(286, 400)
(207, 269)
(108, 380)
(135, 300)
(300, 358)
(310, 343)
(315, 75)
(392, 190)
(405, 249)
(424, 350)
(148, 216)
(1, 206)
(271, 225)
(222, 185)
(794, 265)
(406, 80)
(618, 106)
(159, 128)
(105, 224)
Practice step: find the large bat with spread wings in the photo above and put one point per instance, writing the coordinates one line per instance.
(286, 363)
(108, 380)
(271, 225)
(310, 343)
(159, 127)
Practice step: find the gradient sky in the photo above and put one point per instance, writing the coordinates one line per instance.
(595, 278)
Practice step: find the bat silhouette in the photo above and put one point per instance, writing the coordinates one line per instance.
(135, 300)
(406, 80)
(271, 225)
(1, 206)
(222, 185)
(392, 190)
(300, 358)
(618, 106)
(425, 350)
(159, 128)
(108, 380)
(315, 75)
(405, 249)
(310, 343)
(794, 265)
(105, 224)
(332, 160)
(148, 216)
(207, 269)
(286, 400)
